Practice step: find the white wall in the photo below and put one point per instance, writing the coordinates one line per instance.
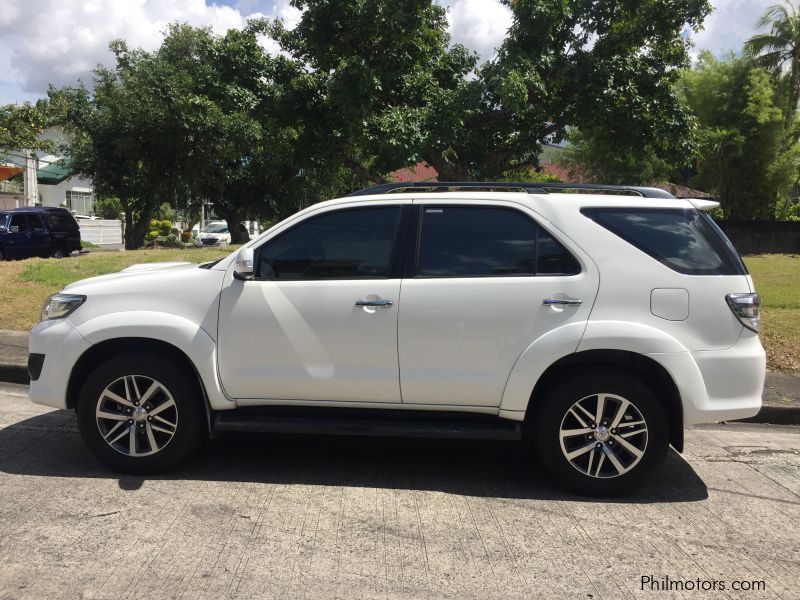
(101, 231)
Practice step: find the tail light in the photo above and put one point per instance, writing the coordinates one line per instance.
(746, 308)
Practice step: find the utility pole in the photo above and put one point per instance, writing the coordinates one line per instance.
(29, 183)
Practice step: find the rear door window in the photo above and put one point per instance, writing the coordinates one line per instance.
(685, 240)
(35, 222)
(466, 241)
(59, 221)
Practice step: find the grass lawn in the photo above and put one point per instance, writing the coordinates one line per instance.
(27, 283)
(777, 279)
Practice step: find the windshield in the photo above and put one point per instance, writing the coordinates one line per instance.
(216, 228)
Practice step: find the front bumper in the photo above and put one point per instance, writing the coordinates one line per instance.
(61, 344)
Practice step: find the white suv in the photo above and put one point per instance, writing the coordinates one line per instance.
(596, 325)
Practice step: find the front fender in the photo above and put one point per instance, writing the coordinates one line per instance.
(183, 334)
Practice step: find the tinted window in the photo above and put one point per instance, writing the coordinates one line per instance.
(35, 222)
(553, 258)
(346, 244)
(19, 220)
(684, 240)
(460, 241)
(60, 221)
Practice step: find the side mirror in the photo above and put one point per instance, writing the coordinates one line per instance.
(243, 268)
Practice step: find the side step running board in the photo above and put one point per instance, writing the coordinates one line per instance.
(498, 429)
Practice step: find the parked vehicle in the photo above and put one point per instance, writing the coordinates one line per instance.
(596, 325)
(38, 231)
(216, 233)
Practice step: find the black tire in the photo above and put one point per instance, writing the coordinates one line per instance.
(554, 413)
(178, 385)
(58, 253)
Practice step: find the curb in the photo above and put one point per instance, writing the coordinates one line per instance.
(770, 413)
(776, 415)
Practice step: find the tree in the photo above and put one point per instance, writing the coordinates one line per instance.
(21, 126)
(126, 135)
(779, 48)
(388, 89)
(596, 154)
(741, 159)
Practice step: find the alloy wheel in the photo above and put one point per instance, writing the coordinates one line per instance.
(136, 415)
(603, 435)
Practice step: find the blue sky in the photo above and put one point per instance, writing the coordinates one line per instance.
(65, 46)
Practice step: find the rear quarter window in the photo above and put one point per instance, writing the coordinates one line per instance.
(60, 221)
(685, 240)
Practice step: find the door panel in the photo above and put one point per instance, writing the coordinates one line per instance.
(18, 244)
(297, 331)
(459, 337)
(40, 237)
(307, 340)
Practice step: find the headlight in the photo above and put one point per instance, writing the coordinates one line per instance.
(59, 306)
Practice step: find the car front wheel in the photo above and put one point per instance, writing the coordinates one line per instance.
(141, 414)
(601, 433)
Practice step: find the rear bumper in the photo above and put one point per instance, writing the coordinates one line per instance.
(719, 385)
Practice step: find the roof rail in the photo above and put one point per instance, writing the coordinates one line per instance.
(529, 187)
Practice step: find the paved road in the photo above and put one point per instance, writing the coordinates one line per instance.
(270, 517)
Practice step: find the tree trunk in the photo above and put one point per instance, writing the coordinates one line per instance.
(234, 220)
(446, 170)
(136, 231)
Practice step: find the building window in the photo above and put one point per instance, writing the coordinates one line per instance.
(80, 202)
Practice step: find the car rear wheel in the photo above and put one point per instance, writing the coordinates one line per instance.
(141, 414)
(58, 253)
(601, 433)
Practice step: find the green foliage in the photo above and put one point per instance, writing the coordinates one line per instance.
(22, 124)
(527, 174)
(165, 212)
(741, 157)
(107, 208)
(162, 228)
(385, 88)
(596, 154)
(776, 49)
(186, 236)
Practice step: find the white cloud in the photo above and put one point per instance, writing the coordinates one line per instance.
(730, 24)
(61, 41)
(479, 25)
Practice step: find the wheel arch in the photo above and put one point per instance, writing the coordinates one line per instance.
(652, 374)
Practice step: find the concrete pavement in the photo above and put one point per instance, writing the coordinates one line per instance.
(277, 517)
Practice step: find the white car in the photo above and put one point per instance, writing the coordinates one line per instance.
(216, 233)
(597, 325)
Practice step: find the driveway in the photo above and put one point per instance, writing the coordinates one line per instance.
(289, 517)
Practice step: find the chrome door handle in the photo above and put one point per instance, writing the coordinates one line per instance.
(562, 302)
(380, 303)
